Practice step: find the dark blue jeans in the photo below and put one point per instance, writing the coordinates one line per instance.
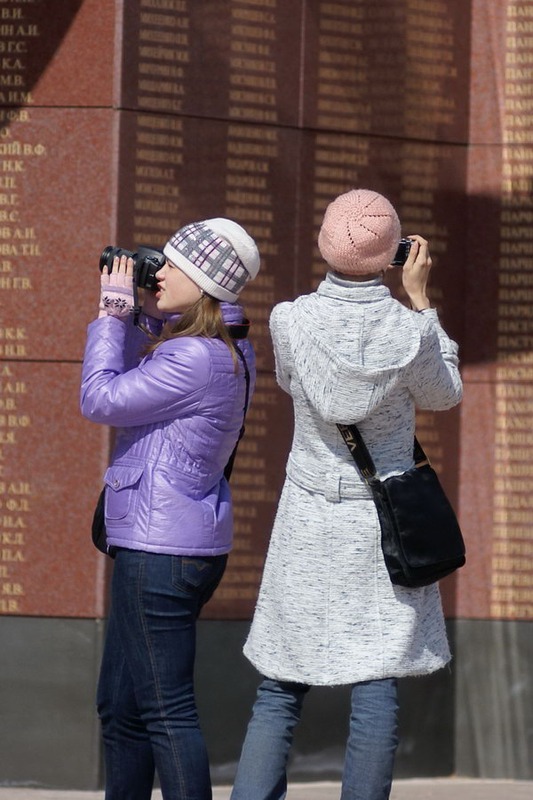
(146, 699)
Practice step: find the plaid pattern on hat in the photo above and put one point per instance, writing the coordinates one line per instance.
(210, 260)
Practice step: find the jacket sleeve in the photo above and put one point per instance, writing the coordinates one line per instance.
(433, 377)
(165, 386)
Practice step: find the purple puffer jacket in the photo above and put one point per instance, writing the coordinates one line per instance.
(179, 412)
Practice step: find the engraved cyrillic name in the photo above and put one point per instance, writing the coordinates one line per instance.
(250, 154)
(158, 158)
(19, 237)
(163, 54)
(17, 35)
(162, 61)
(253, 79)
(420, 169)
(339, 162)
(15, 490)
(342, 89)
(431, 69)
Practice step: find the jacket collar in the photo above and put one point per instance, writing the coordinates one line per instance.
(231, 312)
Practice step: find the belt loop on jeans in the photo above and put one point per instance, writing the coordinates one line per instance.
(332, 487)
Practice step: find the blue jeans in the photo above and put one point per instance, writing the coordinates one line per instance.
(370, 750)
(146, 699)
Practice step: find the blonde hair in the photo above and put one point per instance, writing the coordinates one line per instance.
(204, 318)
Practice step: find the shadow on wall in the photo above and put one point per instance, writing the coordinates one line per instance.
(56, 26)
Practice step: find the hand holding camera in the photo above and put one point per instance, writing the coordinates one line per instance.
(123, 272)
(415, 273)
(116, 288)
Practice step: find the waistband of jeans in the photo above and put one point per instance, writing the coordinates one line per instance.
(332, 485)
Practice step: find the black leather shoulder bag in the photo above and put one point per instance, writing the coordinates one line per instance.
(420, 535)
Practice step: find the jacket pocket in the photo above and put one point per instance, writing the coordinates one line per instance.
(122, 484)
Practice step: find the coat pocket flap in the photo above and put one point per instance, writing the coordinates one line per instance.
(121, 477)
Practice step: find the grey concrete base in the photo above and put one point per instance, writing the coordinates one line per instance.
(494, 699)
(48, 731)
(475, 720)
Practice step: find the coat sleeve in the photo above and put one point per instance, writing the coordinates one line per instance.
(433, 377)
(168, 385)
(282, 352)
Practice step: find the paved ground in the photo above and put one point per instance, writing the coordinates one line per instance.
(439, 789)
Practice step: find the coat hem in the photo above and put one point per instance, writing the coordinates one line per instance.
(168, 550)
(346, 680)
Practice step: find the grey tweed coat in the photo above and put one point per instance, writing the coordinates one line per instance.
(327, 613)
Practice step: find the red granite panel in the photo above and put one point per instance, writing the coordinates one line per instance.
(57, 57)
(55, 204)
(491, 25)
(392, 68)
(495, 497)
(499, 341)
(51, 460)
(235, 60)
(476, 498)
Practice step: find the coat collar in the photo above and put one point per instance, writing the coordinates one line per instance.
(353, 291)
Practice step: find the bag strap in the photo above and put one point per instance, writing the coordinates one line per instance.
(359, 451)
(419, 454)
(228, 469)
(239, 331)
(363, 459)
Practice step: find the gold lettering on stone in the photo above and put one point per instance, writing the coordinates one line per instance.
(512, 545)
(15, 493)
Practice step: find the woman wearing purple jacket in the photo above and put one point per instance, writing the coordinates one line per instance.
(175, 388)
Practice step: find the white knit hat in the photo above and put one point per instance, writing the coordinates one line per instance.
(217, 254)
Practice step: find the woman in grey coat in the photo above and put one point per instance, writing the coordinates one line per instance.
(327, 612)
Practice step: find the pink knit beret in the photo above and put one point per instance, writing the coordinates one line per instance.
(360, 233)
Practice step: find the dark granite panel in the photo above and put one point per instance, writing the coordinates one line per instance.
(237, 60)
(392, 68)
(174, 171)
(425, 183)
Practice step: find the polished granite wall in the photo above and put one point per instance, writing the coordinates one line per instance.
(121, 122)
